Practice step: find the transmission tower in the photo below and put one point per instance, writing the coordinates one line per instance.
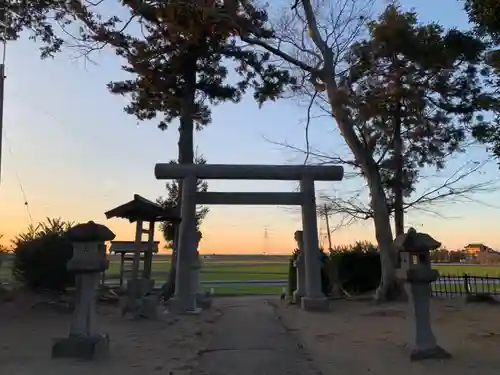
(266, 240)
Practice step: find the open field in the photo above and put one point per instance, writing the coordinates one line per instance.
(262, 267)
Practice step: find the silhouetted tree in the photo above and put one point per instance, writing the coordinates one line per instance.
(177, 52)
(485, 16)
(179, 62)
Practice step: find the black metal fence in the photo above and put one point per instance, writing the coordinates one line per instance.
(450, 286)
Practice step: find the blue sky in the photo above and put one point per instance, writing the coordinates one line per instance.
(77, 154)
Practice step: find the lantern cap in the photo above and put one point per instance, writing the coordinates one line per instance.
(413, 241)
(90, 232)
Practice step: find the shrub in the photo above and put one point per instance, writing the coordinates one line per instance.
(41, 254)
(2, 251)
(358, 267)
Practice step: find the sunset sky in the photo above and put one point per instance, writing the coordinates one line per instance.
(74, 152)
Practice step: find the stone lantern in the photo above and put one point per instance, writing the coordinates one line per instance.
(300, 267)
(415, 270)
(88, 262)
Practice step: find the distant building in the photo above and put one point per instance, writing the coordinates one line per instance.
(474, 248)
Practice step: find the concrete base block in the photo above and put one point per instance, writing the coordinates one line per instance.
(142, 308)
(182, 306)
(429, 353)
(196, 311)
(90, 348)
(149, 306)
(297, 297)
(315, 304)
(204, 301)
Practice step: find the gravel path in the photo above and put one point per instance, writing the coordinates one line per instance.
(248, 340)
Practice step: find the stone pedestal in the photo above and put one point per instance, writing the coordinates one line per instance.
(415, 270)
(138, 301)
(195, 274)
(426, 346)
(88, 262)
(300, 269)
(202, 299)
(83, 342)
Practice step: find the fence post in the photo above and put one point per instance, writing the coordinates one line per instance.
(466, 284)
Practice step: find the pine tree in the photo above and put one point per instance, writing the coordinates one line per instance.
(485, 15)
(180, 66)
(178, 52)
(416, 85)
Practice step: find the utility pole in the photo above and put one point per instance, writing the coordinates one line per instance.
(2, 80)
(3, 24)
(328, 234)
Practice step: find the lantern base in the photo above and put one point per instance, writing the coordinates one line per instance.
(90, 348)
(429, 353)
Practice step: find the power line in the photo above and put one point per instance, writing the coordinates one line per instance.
(3, 133)
(16, 172)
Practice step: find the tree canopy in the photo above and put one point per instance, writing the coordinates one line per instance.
(485, 15)
(418, 85)
(402, 95)
(165, 60)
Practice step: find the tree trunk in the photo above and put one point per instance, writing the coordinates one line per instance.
(398, 184)
(390, 288)
(335, 284)
(399, 216)
(185, 156)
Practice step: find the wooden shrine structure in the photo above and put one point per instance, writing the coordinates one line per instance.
(140, 210)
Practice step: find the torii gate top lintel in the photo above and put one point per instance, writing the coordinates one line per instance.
(165, 171)
(185, 293)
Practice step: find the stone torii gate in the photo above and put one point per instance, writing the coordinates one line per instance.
(185, 294)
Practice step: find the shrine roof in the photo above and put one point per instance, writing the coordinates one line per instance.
(141, 208)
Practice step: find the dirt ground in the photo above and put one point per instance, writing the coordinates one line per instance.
(358, 338)
(355, 338)
(169, 345)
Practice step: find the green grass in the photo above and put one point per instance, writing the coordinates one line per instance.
(473, 270)
(212, 270)
(255, 269)
(247, 290)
